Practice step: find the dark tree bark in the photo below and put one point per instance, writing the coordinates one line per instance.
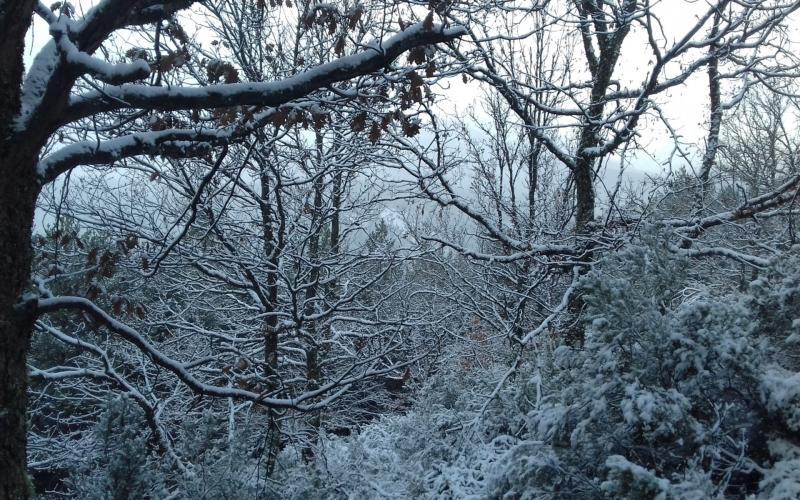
(313, 368)
(715, 109)
(18, 191)
(609, 42)
(273, 246)
(17, 202)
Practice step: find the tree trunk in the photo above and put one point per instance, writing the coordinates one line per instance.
(313, 368)
(272, 252)
(17, 201)
(18, 192)
(715, 116)
(589, 139)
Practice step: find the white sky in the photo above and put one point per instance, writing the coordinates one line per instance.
(685, 106)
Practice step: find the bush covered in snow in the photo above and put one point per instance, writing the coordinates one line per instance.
(664, 397)
(677, 392)
(120, 464)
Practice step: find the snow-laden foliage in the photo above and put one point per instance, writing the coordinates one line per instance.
(664, 396)
(442, 448)
(674, 394)
(120, 464)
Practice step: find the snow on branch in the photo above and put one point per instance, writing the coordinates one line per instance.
(752, 260)
(82, 63)
(534, 250)
(45, 13)
(375, 56)
(174, 142)
(169, 142)
(68, 55)
(781, 195)
(303, 402)
(560, 308)
(111, 15)
(110, 374)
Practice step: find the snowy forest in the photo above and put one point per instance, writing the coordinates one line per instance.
(400, 249)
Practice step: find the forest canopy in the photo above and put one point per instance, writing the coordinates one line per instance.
(399, 249)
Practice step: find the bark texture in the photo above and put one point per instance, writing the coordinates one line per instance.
(18, 191)
(273, 246)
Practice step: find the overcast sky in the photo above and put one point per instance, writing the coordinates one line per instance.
(685, 106)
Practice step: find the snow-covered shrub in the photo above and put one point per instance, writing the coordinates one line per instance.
(670, 395)
(221, 464)
(782, 480)
(444, 447)
(677, 393)
(629, 480)
(775, 298)
(529, 469)
(123, 465)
